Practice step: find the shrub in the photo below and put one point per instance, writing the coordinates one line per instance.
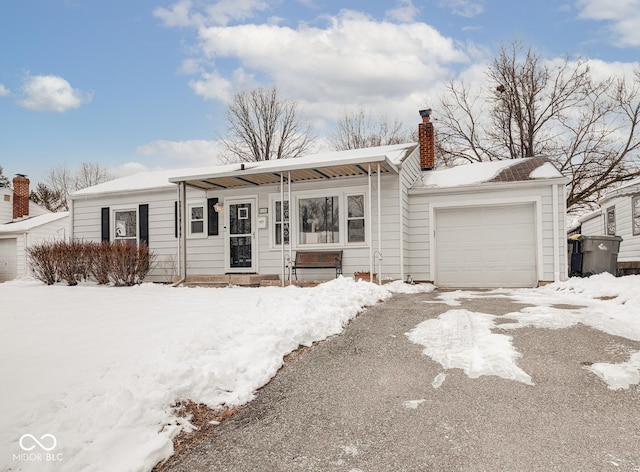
(117, 263)
(41, 258)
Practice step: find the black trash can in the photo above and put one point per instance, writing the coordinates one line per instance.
(575, 256)
(599, 254)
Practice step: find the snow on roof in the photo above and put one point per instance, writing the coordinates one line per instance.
(508, 170)
(27, 224)
(395, 154)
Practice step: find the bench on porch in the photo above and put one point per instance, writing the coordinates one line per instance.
(317, 260)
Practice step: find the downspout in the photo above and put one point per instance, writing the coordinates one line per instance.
(379, 229)
(401, 228)
(71, 231)
(556, 240)
(369, 215)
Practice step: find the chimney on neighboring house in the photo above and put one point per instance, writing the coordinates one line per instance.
(426, 141)
(20, 196)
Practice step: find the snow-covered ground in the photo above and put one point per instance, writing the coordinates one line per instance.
(88, 374)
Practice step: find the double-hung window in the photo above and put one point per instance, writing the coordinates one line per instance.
(196, 220)
(281, 222)
(355, 219)
(126, 226)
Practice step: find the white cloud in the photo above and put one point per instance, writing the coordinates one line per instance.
(51, 93)
(195, 153)
(405, 12)
(4, 91)
(183, 13)
(465, 8)
(623, 17)
(352, 60)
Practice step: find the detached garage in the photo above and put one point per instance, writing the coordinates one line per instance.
(489, 225)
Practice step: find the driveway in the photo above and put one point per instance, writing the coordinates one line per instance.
(370, 400)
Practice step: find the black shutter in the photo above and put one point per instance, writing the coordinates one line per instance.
(143, 218)
(175, 219)
(212, 217)
(105, 224)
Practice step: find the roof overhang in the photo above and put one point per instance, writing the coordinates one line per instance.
(297, 170)
(488, 186)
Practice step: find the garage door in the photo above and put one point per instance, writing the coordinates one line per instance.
(488, 246)
(8, 260)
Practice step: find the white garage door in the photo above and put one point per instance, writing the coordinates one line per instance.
(8, 260)
(486, 246)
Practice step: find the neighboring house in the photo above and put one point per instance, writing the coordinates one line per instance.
(22, 224)
(618, 215)
(480, 225)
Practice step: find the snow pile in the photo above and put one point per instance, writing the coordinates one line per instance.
(99, 368)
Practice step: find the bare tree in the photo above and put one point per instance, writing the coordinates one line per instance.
(358, 129)
(529, 107)
(263, 126)
(90, 174)
(61, 182)
(4, 181)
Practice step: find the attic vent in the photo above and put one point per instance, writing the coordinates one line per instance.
(7, 198)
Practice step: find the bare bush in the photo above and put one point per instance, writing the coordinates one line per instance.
(43, 263)
(116, 263)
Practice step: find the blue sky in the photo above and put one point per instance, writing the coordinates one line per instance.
(144, 84)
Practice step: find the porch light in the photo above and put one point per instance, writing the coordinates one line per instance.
(218, 207)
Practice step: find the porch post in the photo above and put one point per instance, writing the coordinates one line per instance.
(182, 204)
(369, 214)
(282, 228)
(288, 219)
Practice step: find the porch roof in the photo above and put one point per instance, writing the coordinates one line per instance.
(308, 168)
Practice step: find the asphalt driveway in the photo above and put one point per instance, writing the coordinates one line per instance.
(366, 401)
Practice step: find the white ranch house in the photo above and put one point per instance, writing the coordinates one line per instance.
(495, 224)
(618, 215)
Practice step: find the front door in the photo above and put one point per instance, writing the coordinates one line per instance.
(240, 235)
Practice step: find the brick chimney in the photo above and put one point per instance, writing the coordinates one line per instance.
(20, 196)
(426, 141)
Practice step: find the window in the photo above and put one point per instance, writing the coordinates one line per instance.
(126, 226)
(635, 212)
(196, 220)
(611, 221)
(319, 220)
(355, 219)
(281, 227)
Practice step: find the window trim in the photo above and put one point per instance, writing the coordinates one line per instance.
(203, 234)
(363, 218)
(634, 216)
(114, 233)
(294, 223)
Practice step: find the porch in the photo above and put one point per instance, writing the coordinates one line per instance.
(244, 280)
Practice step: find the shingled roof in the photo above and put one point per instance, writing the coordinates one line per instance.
(520, 171)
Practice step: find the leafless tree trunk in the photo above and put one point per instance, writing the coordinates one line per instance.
(356, 130)
(262, 126)
(589, 129)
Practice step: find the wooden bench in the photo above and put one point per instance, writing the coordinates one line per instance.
(317, 260)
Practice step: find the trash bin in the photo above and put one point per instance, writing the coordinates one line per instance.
(575, 256)
(599, 254)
